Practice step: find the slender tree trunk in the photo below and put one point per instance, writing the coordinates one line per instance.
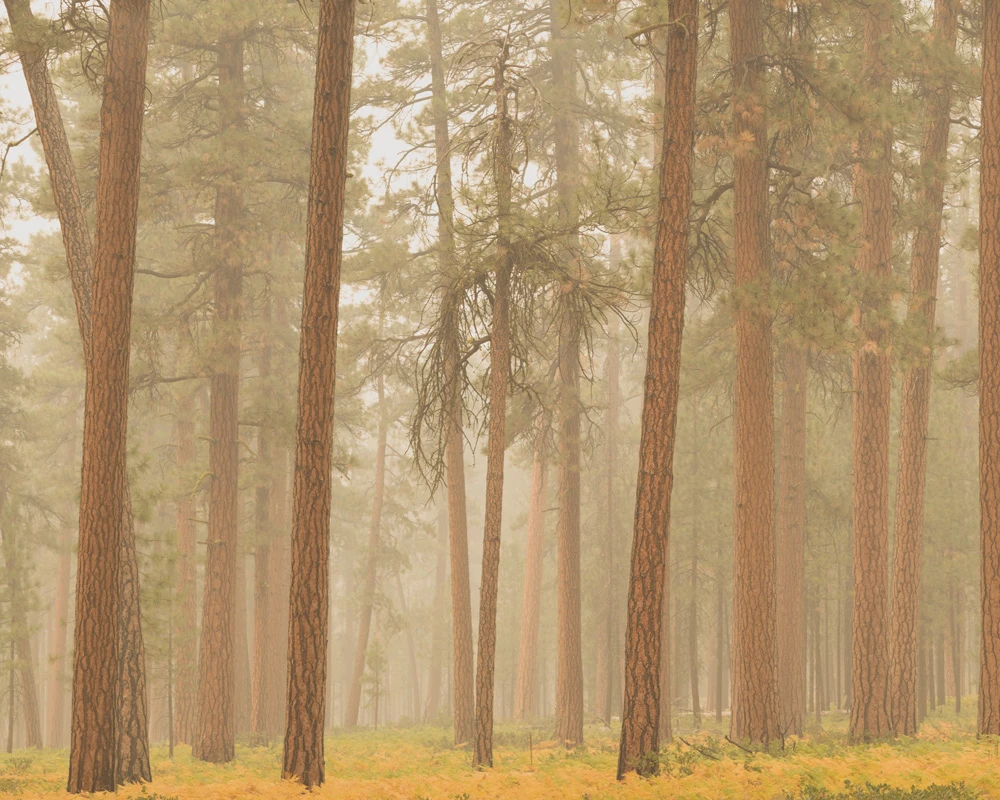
(463, 703)
(439, 643)
(187, 624)
(915, 395)
(955, 631)
(720, 640)
(791, 534)
(56, 692)
(307, 630)
(279, 581)
(242, 679)
(526, 692)
(921, 676)
(411, 651)
(94, 736)
(939, 670)
(755, 700)
(870, 441)
(371, 566)
(642, 700)
(989, 378)
(497, 436)
(693, 636)
(216, 729)
(569, 664)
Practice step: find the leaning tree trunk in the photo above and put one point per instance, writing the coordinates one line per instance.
(916, 390)
(642, 690)
(497, 436)
(310, 589)
(94, 730)
(871, 377)
(525, 691)
(371, 568)
(791, 540)
(755, 697)
(215, 735)
(463, 687)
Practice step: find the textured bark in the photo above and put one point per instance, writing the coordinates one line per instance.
(133, 716)
(496, 446)
(565, 136)
(791, 540)
(989, 377)
(103, 503)
(215, 734)
(642, 701)
(870, 439)
(55, 729)
(186, 633)
(915, 395)
(439, 636)
(463, 687)
(526, 690)
(371, 567)
(309, 607)
(755, 701)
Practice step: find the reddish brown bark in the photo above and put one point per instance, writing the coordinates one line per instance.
(915, 395)
(215, 734)
(870, 439)
(791, 540)
(307, 630)
(94, 740)
(755, 700)
(642, 701)
(496, 447)
(525, 692)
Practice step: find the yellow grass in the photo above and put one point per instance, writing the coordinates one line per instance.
(421, 764)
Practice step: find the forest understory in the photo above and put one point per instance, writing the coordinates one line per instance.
(944, 761)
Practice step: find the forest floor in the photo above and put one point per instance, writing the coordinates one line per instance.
(944, 762)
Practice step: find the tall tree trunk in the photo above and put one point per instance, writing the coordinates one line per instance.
(989, 378)
(497, 437)
(692, 632)
(755, 700)
(791, 534)
(215, 736)
(569, 664)
(870, 440)
(955, 630)
(642, 700)
(439, 640)
(463, 701)
(103, 493)
(939, 670)
(525, 697)
(186, 635)
(310, 590)
(30, 42)
(371, 567)
(916, 390)
(411, 652)
(56, 691)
